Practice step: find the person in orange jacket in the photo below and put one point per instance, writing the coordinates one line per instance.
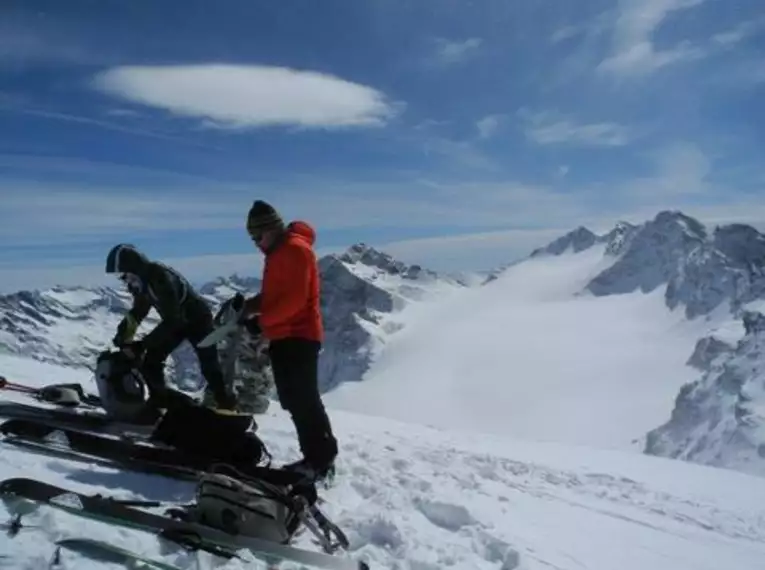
(288, 313)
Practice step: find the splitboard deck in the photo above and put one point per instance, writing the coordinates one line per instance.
(183, 532)
(136, 452)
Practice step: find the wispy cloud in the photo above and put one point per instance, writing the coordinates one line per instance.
(547, 127)
(71, 214)
(565, 33)
(431, 137)
(243, 97)
(79, 272)
(451, 52)
(101, 124)
(471, 251)
(634, 52)
(679, 169)
(739, 32)
(22, 45)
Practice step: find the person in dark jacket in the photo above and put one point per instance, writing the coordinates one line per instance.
(184, 315)
(288, 312)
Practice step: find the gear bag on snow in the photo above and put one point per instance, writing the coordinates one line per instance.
(252, 508)
(269, 504)
(202, 431)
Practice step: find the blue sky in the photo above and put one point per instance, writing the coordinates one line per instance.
(455, 134)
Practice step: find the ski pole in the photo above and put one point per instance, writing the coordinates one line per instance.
(6, 384)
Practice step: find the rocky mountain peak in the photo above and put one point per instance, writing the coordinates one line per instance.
(576, 240)
(364, 254)
(618, 239)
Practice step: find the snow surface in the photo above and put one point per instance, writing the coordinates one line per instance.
(416, 498)
(528, 356)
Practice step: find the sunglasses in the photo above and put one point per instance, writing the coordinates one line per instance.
(256, 236)
(131, 280)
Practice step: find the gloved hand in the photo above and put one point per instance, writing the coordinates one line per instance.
(125, 331)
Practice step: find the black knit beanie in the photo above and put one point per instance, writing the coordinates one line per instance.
(263, 216)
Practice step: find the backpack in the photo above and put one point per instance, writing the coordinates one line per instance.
(250, 507)
(121, 388)
(267, 503)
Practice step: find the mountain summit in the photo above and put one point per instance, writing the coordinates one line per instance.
(702, 269)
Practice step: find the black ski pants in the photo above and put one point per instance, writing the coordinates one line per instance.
(153, 367)
(294, 362)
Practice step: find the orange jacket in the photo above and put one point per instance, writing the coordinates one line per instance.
(289, 297)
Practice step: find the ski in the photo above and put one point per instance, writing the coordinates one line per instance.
(67, 395)
(62, 452)
(182, 532)
(107, 552)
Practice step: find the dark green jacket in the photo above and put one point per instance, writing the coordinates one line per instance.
(182, 310)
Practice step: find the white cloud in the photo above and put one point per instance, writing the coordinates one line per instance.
(249, 96)
(552, 128)
(633, 50)
(453, 52)
(488, 125)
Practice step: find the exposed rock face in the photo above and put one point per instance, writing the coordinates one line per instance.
(720, 418)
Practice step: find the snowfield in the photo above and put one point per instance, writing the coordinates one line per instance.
(418, 498)
(528, 356)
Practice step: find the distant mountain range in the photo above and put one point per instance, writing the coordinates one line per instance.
(362, 290)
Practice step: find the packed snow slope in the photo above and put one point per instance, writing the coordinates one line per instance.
(534, 355)
(414, 498)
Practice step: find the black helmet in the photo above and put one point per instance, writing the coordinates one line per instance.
(125, 258)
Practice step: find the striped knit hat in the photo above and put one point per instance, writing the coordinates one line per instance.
(263, 216)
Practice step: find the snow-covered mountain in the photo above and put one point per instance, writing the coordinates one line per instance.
(703, 270)
(362, 290)
(717, 274)
(526, 356)
(363, 293)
